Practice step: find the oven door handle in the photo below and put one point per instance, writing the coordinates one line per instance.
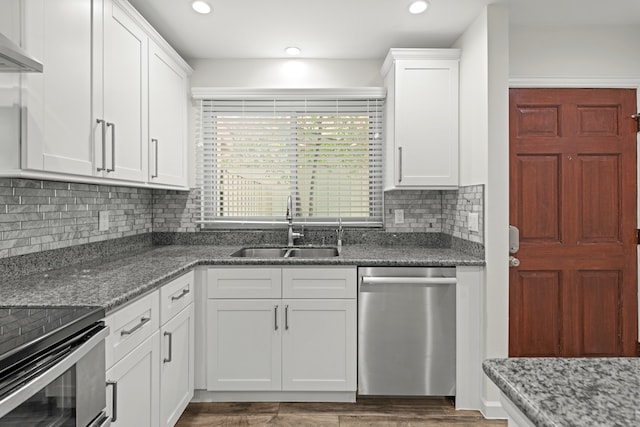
(14, 399)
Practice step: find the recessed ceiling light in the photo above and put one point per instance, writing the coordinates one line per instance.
(293, 51)
(201, 7)
(418, 6)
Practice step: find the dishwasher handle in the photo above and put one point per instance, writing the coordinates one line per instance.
(377, 280)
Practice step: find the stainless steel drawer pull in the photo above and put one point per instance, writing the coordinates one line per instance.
(367, 280)
(168, 359)
(399, 164)
(102, 124)
(182, 294)
(286, 317)
(114, 400)
(143, 321)
(156, 158)
(275, 317)
(113, 147)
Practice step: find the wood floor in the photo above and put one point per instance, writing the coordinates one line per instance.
(366, 412)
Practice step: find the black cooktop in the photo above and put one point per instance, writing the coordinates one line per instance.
(27, 330)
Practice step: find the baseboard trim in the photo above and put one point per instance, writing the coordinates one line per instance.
(273, 396)
(492, 409)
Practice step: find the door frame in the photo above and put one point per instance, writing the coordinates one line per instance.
(589, 83)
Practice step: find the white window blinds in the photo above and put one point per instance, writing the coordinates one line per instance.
(325, 153)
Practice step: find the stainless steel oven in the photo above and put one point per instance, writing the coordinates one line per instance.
(52, 367)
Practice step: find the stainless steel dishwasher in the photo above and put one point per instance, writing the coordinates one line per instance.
(407, 331)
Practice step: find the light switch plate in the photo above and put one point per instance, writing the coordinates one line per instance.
(103, 221)
(399, 216)
(473, 221)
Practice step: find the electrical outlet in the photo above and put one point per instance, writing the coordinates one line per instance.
(399, 216)
(473, 221)
(103, 221)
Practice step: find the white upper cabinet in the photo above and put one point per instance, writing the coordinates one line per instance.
(167, 119)
(422, 118)
(121, 98)
(87, 116)
(57, 103)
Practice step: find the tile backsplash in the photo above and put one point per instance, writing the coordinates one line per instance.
(39, 215)
(436, 211)
(42, 215)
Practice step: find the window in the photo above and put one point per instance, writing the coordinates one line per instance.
(325, 153)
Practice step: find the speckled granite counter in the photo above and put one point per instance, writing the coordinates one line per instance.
(113, 281)
(571, 392)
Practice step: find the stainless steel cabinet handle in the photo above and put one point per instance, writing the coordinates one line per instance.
(399, 164)
(114, 400)
(182, 294)
(368, 280)
(275, 317)
(168, 359)
(104, 147)
(286, 317)
(156, 166)
(113, 147)
(143, 321)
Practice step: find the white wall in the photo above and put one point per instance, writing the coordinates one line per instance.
(286, 73)
(484, 148)
(594, 51)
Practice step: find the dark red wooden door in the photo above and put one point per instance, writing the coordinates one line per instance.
(573, 198)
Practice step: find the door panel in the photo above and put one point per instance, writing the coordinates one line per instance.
(599, 302)
(539, 198)
(535, 308)
(599, 190)
(573, 196)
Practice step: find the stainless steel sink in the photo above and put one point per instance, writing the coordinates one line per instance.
(260, 252)
(286, 252)
(312, 253)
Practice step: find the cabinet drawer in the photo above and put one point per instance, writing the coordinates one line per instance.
(130, 326)
(176, 295)
(244, 282)
(319, 282)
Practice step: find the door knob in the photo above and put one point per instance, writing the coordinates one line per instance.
(514, 262)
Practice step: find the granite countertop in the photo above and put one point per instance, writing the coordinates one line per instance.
(571, 392)
(113, 281)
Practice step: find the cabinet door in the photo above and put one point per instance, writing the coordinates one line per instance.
(176, 368)
(124, 96)
(319, 345)
(58, 134)
(426, 123)
(11, 27)
(244, 345)
(136, 380)
(167, 119)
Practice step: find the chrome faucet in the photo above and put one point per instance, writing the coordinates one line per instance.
(291, 235)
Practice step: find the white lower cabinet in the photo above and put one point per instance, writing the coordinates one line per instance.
(176, 368)
(133, 383)
(318, 351)
(149, 357)
(243, 341)
(283, 344)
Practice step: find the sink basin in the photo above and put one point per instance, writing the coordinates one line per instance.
(312, 253)
(296, 252)
(260, 252)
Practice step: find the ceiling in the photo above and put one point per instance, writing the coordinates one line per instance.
(351, 29)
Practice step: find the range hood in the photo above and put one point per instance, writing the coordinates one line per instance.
(13, 59)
